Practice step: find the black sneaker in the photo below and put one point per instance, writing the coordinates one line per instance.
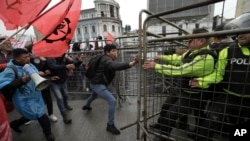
(86, 108)
(113, 129)
(66, 118)
(50, 137)
(15, 128)
(68, 108)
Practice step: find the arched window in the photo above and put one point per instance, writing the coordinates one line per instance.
(113, 28)
(104, 27)
(78, 31)
(86, 29)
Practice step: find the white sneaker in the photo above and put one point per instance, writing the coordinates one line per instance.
(27, 123)
(53, 118)
(87, 89)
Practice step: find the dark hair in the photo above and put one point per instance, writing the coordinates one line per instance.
(109, 47)
(1, 38)
(220, 28)
(17, 52)
(201, 30)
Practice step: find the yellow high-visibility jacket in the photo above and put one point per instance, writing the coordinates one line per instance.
(200, 65)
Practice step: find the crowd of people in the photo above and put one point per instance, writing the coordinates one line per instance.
(216, 71)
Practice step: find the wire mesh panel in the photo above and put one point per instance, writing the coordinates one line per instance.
(127, 80)
(175, 110)
(77, 82)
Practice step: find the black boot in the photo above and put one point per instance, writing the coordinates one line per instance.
(45, 124)
(87, 108)
(66, 118)
(16, 123)
(50, 137)
(113, 129)
(68, 107)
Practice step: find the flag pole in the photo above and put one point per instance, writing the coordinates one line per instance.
(24, 27)
(28, 24)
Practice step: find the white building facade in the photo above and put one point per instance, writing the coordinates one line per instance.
(242, 7)
(99, 21)
(188, 19)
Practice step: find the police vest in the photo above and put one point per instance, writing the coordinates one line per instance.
(237, 72)
(189, 58)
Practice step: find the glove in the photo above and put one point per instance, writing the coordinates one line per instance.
(28, 69)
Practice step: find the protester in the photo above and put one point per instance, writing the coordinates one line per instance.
(102, 80)
(5, 52)
(60, 67)
(41, 64)
(5, 132)
(26, 99)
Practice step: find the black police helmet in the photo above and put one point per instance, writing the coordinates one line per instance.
(243, 21)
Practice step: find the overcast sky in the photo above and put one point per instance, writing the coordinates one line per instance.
(129, 11)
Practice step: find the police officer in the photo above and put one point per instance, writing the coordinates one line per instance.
(196, 62)
(232, 106)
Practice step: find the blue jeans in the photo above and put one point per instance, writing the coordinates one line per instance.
(59, 90)
(103, 92)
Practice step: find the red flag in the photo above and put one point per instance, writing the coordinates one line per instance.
(47, 23)
(20, 12)
(57, 43)
(8, 25)
(110, 39)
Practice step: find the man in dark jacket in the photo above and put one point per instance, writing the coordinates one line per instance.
(104, 76)
(60, 67)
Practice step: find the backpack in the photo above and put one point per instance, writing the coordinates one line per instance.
(8, 104)
(91, 67)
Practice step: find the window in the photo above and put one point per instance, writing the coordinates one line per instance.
(117, 12)
(197, 25)
(86, 29)
(93, 28)
(113, 28)
(104, 27)
(164, 29)
(78, 31)
(102, 14)
(112, 13)
(119, 29)
(179, 31)
(103, 9)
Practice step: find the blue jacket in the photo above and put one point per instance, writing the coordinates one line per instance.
(26, 99)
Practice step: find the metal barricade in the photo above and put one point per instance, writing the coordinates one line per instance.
(155, 91)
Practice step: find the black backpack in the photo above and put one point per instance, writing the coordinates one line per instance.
(7, 99)
(91, 67)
